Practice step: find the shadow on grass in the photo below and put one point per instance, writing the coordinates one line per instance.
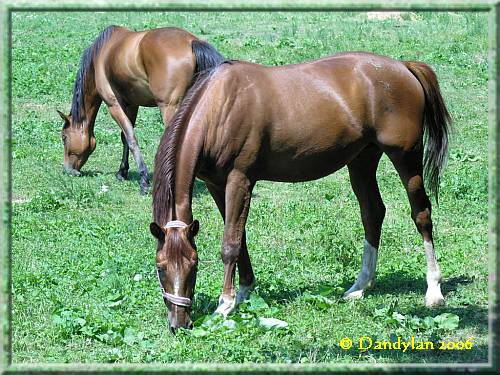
(398, 283)
(470, 317)
(204, 305)
(135, 176)
(394, 285)
(92, 173)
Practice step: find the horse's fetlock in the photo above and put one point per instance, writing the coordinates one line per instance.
(132, 143)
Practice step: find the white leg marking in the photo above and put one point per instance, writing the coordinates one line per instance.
(366, 276)
(433, 297)
(226, 305)
(244, 292)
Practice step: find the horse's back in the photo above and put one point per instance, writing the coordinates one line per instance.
(172, 38)
(349, 94)
(313, 116)
(147, 67)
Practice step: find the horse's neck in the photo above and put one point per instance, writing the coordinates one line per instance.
(92, 102)
(188, 152)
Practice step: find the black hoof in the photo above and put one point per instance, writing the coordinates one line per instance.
(121, 175)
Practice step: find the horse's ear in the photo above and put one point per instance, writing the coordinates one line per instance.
(193, 228)
(157, 231)
(63, 116)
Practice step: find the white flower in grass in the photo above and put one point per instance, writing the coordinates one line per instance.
(138, 277)
(104, 188)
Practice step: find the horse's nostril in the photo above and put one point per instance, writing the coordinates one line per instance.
(190, 325)
(172, 330)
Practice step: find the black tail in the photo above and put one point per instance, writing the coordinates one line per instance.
(437, 125)
(207, 57)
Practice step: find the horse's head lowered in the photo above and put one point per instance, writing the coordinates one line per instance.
(78, 142)
(177, 264)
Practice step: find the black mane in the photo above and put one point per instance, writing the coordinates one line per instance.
(86, 65)
(164, 167)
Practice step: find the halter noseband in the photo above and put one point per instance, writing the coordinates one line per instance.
(175, 224)
(172, 298)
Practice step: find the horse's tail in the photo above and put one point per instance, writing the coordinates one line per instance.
(437, 125)
(207, 57)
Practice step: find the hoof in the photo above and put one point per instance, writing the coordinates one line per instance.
(226, 306)
(144, 189)
(121, 175)
(356, 294)
(434, 299)
(244, 293)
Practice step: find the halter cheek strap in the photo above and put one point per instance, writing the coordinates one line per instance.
(172, 298)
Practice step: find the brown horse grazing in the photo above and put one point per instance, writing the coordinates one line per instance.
(244, 122)
(127, 69)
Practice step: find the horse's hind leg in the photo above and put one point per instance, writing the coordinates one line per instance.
(409, 166)
(122, 119)
(362, 173)
(122, 174)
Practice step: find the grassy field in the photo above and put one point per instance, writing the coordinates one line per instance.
(84, 284)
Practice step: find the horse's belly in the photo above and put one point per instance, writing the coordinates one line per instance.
(289, 167)
(137, 92)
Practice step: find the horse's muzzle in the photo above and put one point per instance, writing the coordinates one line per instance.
(71, 171)
(173, 328)
(179, 320)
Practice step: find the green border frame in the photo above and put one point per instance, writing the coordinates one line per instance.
(8, 6)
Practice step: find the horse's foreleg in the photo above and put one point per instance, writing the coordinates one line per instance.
(234, 251)
(122, 173)
(245, 270)
(362, 173)
(409, 167)
(127, 127)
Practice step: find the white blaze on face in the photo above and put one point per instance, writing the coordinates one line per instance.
(177, 282)
(366, 276)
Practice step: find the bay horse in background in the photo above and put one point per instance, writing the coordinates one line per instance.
(244, 122)
(128, 69)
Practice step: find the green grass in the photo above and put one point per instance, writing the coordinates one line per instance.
(76, 249)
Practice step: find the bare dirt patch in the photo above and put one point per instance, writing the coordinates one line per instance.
(384, 15)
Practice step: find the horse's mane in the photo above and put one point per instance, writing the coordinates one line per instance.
(164, 166)
(86, 65)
